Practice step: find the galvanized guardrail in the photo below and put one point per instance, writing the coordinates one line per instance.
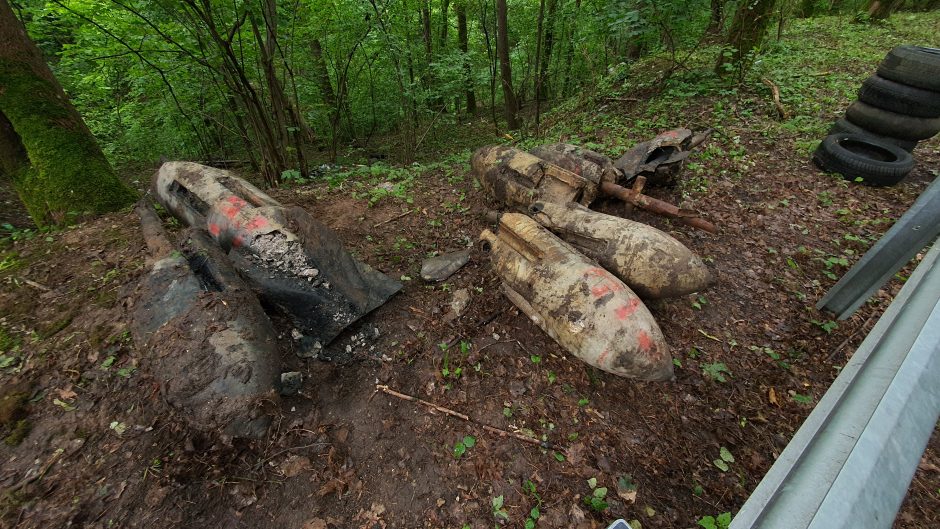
(851, 462)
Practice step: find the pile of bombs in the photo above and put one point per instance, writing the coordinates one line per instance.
(580, 275)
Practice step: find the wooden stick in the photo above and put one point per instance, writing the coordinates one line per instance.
(452, 413)
(776, 94)
(391, 219)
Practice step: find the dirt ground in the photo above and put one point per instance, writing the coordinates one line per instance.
(103, 449)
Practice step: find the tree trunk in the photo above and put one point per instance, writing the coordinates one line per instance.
(13, 158)
(462, 43)
(746, 34)
(569, 53)
(717, 20)
(67, 170)
(882, 9)
(442, 45)
(538, 63)
(502, 50)
(543, 91)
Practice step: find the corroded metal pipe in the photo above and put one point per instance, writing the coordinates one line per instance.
(588, 311)
(651, 262)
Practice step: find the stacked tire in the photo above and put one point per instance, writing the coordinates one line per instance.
(896, 108)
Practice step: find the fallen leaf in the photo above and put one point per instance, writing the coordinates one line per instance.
(627, 495)
(67, 393)
(316, 523)
(294, 465)
(64, 405)
(772, 397)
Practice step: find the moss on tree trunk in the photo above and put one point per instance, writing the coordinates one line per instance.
(744, 37)
(67, 172)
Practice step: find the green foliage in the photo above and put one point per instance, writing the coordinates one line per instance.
(723, 521)
(716, 371)
(68, 174)
(596, 500)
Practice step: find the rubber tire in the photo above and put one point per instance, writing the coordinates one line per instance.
(834, 155)
(847, 127)
(891, 124)
(901, 98)
(913, 65)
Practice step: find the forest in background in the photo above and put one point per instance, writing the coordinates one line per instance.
(280, 83)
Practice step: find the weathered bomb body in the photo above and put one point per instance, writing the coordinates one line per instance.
(517, 178)
(654, 264)
(211, 346)
(588, 311)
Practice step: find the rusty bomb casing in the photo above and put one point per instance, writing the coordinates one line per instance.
(583, 307)
(517, 178)
(654, 264)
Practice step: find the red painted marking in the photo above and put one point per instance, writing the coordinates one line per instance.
(596, 272)
(234, 207)
(603, 356)
(627, 310)
(644, 340)
(238, 241)
(214, 229)
(257, 223)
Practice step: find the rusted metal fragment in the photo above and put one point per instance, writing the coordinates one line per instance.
(209, 343)
(589, 164)
(651, 262)
(296, 263)
(517, 178)
(660, 160)
(588, 311)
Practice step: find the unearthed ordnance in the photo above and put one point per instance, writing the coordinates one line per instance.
(209, 342)
(518, 179)
(651, 262)
(583, 307)
(295, 263)
(583, 162)
(660, 159)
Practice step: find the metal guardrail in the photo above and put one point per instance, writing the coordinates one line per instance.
(913, 231)
(851, 462)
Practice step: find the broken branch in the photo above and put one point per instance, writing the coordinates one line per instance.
(447, 411)
(776, 95)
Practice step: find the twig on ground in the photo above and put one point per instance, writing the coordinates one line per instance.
(37, 476)
(34, 284)
(452, 413)
(775, 90)
(376, 225)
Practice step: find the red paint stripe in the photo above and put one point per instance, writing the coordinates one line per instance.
(601, 357)
(627, 310)
(214, 229)
(644, 341)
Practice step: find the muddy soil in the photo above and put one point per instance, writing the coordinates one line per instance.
(103, 449)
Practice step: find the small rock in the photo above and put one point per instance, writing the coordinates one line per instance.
(291, 382)
(310, 273)
(460, 301)
(443, 266)
(309, 348)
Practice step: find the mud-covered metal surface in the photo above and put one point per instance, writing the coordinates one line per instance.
(661, 159)
(293, 261)
(516, 178)
(654, 264)
(210, 344)
(582, 306)
(589, 164)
